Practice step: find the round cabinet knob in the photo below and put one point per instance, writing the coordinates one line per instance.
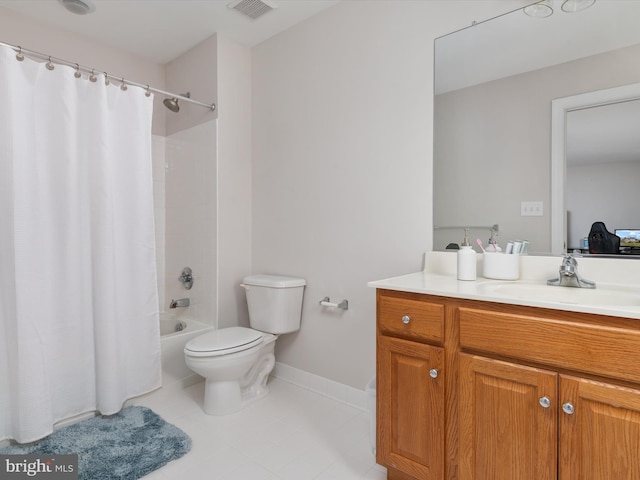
(406, 319)
(568, 408)
(433, 373)
(545, 402)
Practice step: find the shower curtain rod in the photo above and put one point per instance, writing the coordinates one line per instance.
(92, 71)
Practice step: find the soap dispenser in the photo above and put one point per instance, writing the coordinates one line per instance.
(466, 259)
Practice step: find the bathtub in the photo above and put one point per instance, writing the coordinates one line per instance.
(175, 332)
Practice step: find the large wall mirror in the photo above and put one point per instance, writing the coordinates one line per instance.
(537, 126)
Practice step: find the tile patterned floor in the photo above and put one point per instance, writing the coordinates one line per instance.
(293, 434)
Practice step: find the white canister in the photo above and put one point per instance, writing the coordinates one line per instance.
(501, 266)
(467, 261)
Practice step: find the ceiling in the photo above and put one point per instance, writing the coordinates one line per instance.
(161, 30)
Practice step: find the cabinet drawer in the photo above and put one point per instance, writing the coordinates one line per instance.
(411, 318)
(598, 349)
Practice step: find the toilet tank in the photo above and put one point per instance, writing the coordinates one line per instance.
(275, 302)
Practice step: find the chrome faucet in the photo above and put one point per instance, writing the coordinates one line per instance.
(182, 302)
(568, 275)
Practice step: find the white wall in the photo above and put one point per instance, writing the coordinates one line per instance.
(234, 258)
(616, 187)
(209, 203)
(191, 176)
(191, 223)
(193, 72)
(342, 165)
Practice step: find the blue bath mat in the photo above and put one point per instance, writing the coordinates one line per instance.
(124, 446)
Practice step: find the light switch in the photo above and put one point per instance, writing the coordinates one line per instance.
(531, 209)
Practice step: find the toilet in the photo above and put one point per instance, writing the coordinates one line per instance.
(236, 361)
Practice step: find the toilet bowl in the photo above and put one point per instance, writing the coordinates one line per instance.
(236, 361)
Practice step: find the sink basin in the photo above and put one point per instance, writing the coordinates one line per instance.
(602, 295)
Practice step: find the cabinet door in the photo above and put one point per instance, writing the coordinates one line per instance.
(508, 421)
(599, 431)
(410, 390)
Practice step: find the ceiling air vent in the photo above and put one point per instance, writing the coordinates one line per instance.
(252, 8)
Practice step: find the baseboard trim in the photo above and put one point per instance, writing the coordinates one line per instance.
(329, 388)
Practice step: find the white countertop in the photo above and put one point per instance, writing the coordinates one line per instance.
(610, 275)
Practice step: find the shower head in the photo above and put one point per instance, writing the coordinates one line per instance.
(172, 103)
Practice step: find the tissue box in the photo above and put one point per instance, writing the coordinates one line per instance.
(501, 266)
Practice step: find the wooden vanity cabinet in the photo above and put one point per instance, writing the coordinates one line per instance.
(411, 419)
(560, 421)
(505, 433)
(521, 393)
(532, 424)
(601, 439)
(410, 387)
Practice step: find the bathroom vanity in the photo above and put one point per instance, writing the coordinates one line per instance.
(482, 380)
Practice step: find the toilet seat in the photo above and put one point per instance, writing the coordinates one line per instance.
(223, 342)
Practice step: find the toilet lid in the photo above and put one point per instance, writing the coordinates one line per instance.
(223, 341)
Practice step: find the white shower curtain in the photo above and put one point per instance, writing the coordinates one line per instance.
(78, 293)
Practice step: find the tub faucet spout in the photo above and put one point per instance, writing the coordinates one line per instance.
(182, 302)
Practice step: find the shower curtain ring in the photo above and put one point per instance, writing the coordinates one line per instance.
(19, 55)
(123, 86)
(106, 78)
(50, 65)
(148, 92)
(92, 77)
(77, 73)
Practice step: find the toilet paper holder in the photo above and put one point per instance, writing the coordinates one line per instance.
(343, 305)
